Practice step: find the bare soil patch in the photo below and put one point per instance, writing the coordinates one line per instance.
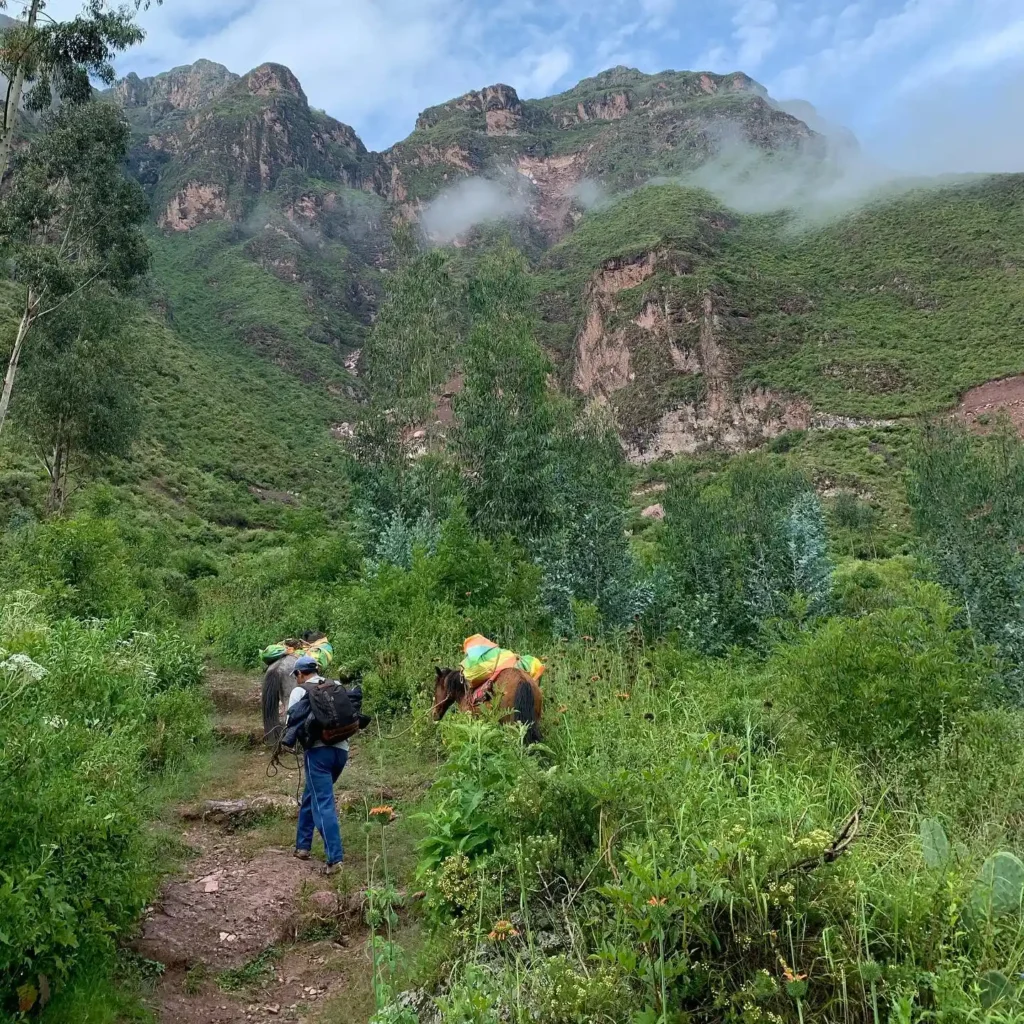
(982, 407)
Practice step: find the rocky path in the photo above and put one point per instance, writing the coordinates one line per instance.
(246, 932)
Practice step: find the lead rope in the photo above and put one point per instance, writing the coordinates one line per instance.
(276, 765)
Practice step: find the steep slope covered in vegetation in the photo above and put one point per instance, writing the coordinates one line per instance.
(704, 328)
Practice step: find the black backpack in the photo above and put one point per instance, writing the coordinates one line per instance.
(335, 716)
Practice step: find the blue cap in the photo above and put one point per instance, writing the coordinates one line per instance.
(305, 664)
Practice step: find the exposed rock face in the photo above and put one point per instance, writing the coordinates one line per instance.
(555, 180)
(688, 340)
(609, 107)
(615, 93)
(724, 421)
(195, 204)
(271, 79)
(184, 88)
(499, 104)
(603, 364)
(237, 144)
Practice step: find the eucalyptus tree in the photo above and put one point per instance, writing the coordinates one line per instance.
(70, 220)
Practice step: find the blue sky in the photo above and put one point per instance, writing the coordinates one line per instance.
(929, 84)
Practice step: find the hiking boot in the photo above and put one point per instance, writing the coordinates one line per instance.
(302, 854)
(333, 869)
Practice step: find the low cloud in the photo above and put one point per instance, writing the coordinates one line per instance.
(471, 203)
(831, 175)
(589, 194)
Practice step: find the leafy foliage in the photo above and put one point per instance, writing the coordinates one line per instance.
(78, 400)
(968, 503)
(504, 415)
(742, 546)
(71, 219)
(93, 716)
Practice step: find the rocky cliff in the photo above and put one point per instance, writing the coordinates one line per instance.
(184, 88)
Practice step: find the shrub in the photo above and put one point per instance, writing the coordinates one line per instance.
(673, 850)
(92, 714)
(741, 547)
(888, 682)
(967, 497)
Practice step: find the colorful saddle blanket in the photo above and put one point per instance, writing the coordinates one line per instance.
(484, 660)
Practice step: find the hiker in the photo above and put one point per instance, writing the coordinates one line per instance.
(324, 763)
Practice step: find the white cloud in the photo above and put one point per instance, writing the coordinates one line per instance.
(471, 202)
(541, 71)
(979, 53)
(849, 54)
(757, 32)
(376, 63)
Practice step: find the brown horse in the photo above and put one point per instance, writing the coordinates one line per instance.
(512, 689)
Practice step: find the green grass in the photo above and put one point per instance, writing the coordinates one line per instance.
(252, 973)
(695, 787)
(889, 312)
(902, 306)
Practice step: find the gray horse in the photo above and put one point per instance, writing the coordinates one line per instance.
(278, 683)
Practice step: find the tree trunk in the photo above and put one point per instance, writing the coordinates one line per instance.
(14, 101)
(58, 470)
(28, 318)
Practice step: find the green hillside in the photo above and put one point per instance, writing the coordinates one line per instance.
(890, 311)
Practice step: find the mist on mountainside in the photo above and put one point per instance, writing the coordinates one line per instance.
(590, 194)
(930, 140)
(470, 203)
(812, 185)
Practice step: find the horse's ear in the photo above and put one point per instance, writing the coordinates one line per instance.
(439, 671)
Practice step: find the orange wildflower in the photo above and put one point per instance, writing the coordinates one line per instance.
(384, 814)
(789, 976)
(654, 901)
(502, 931)
(623, 696)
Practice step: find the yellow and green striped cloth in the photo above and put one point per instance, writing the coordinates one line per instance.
(485, 659)
(319, 649)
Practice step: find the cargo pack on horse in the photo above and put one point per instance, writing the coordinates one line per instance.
(489, 674)
(278, 681)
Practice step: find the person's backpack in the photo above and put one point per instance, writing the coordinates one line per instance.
(335, 717)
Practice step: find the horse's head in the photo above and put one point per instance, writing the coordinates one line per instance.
(449, 689)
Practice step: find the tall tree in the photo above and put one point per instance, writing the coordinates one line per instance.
(58, 58)
(78, 401)
(71, 219)
(505, 415)
(408, 357)
(413, 346)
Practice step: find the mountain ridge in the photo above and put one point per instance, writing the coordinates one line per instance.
(698, 327)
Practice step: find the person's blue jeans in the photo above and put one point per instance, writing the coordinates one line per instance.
(323, 766)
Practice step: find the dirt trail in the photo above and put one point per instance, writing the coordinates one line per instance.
(248, 933)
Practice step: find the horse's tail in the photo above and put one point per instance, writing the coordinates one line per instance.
(525, 706)
(273, 689)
